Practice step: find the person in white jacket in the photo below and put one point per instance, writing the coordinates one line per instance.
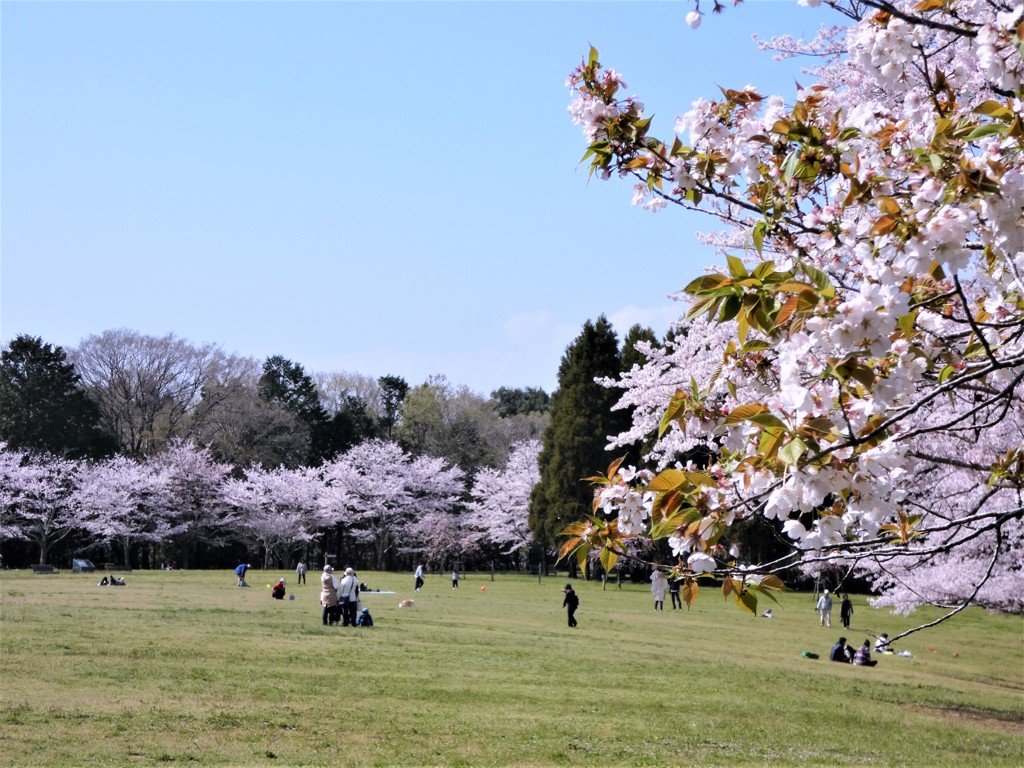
(824, 608)
(348, 597)
(659, 585)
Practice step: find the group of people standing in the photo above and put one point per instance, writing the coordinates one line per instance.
(340, 599)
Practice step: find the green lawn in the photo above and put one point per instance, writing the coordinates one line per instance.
(184, 667)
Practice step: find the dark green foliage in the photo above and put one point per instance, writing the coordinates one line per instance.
(574, 442)
(288, 383)
(630, 354)
(43, 406)
(393, 390)
(513, 402)
(453, 423)
(354, 423)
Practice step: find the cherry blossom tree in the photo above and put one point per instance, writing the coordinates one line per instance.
(870, 396)
(195, 482)
(439, 538)
(500, 508)
(277, 509)
(37, 494)
(378, 491)
(124, 501)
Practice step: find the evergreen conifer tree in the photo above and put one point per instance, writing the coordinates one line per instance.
(43, 406)
(574, 442)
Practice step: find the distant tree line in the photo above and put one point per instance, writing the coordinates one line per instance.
(283, 463)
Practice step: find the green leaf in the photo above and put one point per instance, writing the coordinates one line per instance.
(736, 267)
(707, 283)
(820, 280)
(758, 236)
(772, 581)
(993, 109)
(708, 304)
(668, 480)
(608, 560)
(746, 600)
(730, 308)
(792, 451)
(764, 269)
(990, 129)
(581, 557)
(745, 412)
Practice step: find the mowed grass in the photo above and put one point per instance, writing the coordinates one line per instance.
(184, 667)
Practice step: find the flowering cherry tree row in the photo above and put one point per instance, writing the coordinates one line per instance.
(385, 499)
(855, 363)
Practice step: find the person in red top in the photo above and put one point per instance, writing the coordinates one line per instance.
(277, 591)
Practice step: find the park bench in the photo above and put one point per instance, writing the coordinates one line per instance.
(116, 567)
(42, 569)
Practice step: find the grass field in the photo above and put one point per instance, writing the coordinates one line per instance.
(184, 667)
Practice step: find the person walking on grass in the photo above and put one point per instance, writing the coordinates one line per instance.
(824, 609)
(300, 573)
(419, 577)
(845, 611)
(455, 579)
(571, 603)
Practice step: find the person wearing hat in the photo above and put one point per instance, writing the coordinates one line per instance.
(240, 573)
(348, 597)
(365, 619)
(277, 591)
(329, 596)
(571, 603)
(824, 608)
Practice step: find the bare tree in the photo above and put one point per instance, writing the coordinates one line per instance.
(148, 388)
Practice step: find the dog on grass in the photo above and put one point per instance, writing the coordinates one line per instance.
(407, 604)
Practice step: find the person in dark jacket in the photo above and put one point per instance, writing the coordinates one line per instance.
(846, 611)
(838, 652)
(365, 619)
(571, 603)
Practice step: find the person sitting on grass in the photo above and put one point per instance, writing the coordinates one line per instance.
(838, 652)
(882, 644)
(862, 658)
(365, 619)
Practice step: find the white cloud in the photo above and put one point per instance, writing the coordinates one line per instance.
(657, 319)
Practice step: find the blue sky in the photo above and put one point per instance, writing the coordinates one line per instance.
(382, 188)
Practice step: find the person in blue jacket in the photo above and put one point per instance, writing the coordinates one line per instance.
(365, 619)
(240, 573)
